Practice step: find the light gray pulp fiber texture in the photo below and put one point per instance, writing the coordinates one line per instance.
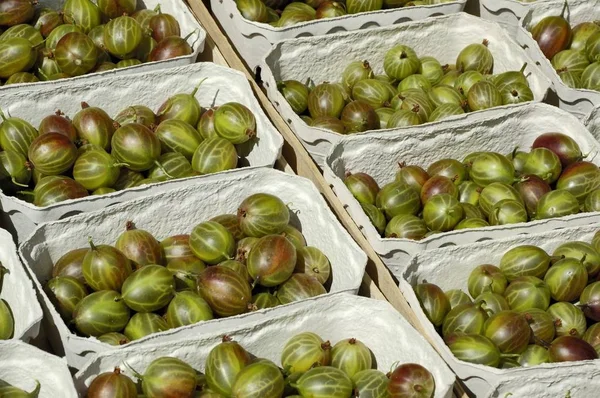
(17, 290)
(22, 364)
(114, 94)
(324, 58)
(176, 212)
(178, 9)
(340, 316)
(378, 155)
(507, 13)
(580, 102)
(449, 268)
(253, 39)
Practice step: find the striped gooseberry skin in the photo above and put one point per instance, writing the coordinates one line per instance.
(363, 187)
(566, 279)
(370, 383)
(272, 260)
(492, 303)
(263, 214)
(127, 179)
(472, 211)
(489, 167)
(136, 114)
(187, 308)
(570, 60)
(326, 100)
(116, 8)
(508, 211)
(169, 377)
(112, 384)
(23, 31)
(16, 134)
(96, 169)
(570, 79)
(397, 198)
(419, 103)
(553, 34)
(509, 330)
(475, 348)
(313, 261)
(65, 293)
(114, 338)
(54, 189)
(83, 13)
(373, 92)
(582, 251)
(434, 302)
(226, 291)
(410, 379)
(358, 116)
(527, 292)
(144, 324)
(469, 193)
(464, 318)
(212, 243)
(171, 165)
(140, 247)
(22, 77)
(437, 185)
(441, 95)
(148, 289)
(570, 348)
(58, 33)
(264, 300)
(261, 379)
(414, 82)
(52, 154)
(253, 10)
(351, 356)
(125, 63)
(376, 216)
(543, 163)
(484, 278)
(230, 221)
(76, 54)
(592, 47)
(223, 365)
(105, 267)
(580, 178)
(122, 36)
(16, 55)
(299, 287)
(178, 136)
(70, 264)
(171, 47)
(442, 212)
(592, 202)
(214, 155)
(100, 313)
(206, 124)
(186, 270)
(406, 226)
(590, 79)
(324, 381)
(235, 122)
(469, 223)
(15, 167)
(541, 324)
(356, 6)
(14, 12)
(476, 57)
(355, 72)
(432, 70)
(465, 81)
(450, 168)
(592, 336)
(531, 188)
(484, 95)
(296, 94)
(400, 62)
(135, 145)
(457, 297)
(569, 319)
(57, 123)
(144, 50)
(163, 26)
(94, 126)
(294, 236)
(557, 203)
(590, 301)
(524, 260)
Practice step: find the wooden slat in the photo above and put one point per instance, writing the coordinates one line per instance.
(378, 283)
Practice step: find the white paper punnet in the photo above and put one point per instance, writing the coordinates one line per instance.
(593, 122)
(449, 268)
(507, 13)
(22, 364)
(576, 101)
(178, 9)
(324, 58)
(17, 290)
(115, 93)
(176, 212)
(341, 316)
(378, 155)
(253, 40)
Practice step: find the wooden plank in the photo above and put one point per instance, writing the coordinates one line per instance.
(378, 282)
